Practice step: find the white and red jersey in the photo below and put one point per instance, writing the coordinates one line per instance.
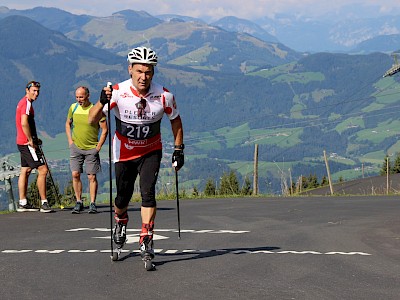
(24, 107)
(138, 119)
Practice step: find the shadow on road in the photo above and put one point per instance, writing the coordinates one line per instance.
(207, 254)
(106, 209)
(199, 254)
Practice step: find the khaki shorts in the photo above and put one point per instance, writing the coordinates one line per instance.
(79, 157)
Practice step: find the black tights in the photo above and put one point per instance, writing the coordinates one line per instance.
(147, 168)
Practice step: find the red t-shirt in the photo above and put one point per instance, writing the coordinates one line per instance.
(24, 107)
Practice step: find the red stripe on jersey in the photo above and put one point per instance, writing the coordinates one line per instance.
(163, 101)
(132, 149)
(167, 110)
(135, 92)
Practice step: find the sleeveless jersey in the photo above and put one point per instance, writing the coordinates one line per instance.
(84, 134)
(138, 120)
(24, 107)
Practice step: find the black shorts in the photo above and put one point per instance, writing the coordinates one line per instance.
(30, 157)
(147, 168)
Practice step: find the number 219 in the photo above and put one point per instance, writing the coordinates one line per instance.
(139, 132)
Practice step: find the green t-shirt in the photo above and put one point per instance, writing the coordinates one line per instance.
(84, 134)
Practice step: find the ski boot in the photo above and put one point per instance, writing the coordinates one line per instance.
(119, 234)
(146, 246)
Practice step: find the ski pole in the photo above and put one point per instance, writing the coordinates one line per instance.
(109, 84)
(49, 172)
(177, 204)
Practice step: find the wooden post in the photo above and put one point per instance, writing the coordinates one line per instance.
(329, 173)
(387, 175)
(255, 176)
(301, 183)
(291, 182)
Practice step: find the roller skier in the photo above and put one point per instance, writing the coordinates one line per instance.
(138, 105)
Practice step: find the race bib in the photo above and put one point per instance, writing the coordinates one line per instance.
(137, 131)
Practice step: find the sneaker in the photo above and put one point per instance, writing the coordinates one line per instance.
(78, 208)
(45, 208)
(92, 208)
(26, 207)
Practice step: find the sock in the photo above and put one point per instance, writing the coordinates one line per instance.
(44, 201)
(147, 227)
(123, 218)
(23, 202)
(147, 230)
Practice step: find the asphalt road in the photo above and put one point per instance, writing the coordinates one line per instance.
(263, 248)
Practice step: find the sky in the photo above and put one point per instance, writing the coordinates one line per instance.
(211, 10)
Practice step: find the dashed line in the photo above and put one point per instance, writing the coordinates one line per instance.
(82, 251)
(49, 251)
(188, 251)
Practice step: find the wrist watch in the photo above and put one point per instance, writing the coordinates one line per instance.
(180, 147)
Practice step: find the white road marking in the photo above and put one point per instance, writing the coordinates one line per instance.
(299, 252)
(134, 237)
(163, 230)
(171, 251)
(16, 251)
(189, 251)
(49, 251)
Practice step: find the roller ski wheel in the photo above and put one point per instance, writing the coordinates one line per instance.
(116, 254)
(148, 262)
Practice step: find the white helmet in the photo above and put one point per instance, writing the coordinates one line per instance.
(142, 55)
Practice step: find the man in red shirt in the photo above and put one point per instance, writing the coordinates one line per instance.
(28, 142)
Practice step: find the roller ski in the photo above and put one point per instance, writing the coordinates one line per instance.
(147, 253)
(119, 236)
(146, 247)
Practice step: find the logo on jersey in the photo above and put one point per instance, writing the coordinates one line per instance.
(155, 97)
(142, 108)
(125, 95)
(132, 143)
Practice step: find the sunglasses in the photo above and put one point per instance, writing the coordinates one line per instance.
(34, 84)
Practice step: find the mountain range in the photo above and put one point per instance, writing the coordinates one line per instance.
(234, 87)
(333, 33)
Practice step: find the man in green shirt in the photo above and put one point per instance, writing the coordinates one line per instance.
(84, 144)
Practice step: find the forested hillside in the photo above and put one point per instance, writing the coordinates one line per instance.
(293, 106)
(30, 51)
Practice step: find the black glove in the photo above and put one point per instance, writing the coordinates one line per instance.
(37, 141)
(179, 158)
(103, 97)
